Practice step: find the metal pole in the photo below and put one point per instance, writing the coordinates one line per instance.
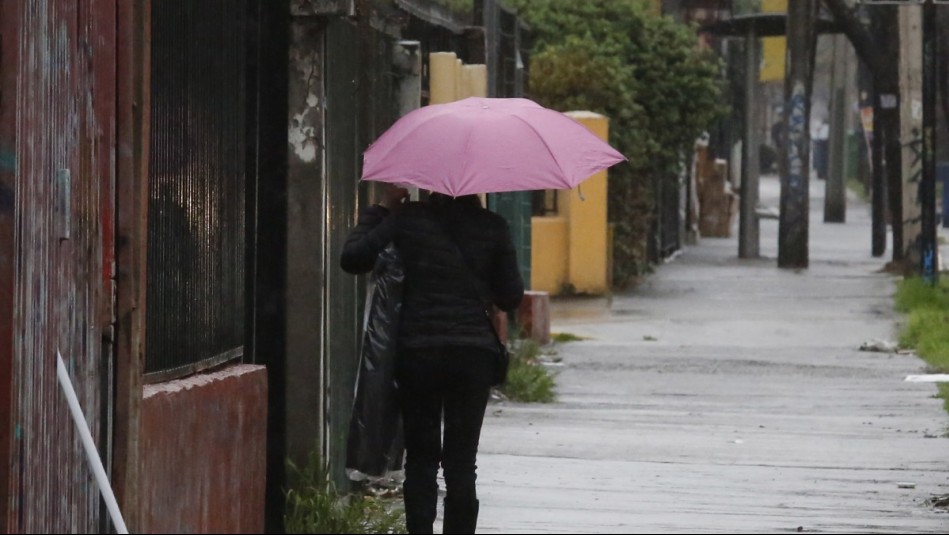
(748, 228)
(878, 189)
(927, 189)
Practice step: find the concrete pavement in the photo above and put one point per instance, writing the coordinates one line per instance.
(728, 396)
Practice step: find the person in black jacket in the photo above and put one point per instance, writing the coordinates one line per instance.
(459, 258)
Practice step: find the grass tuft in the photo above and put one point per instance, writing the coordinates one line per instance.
(915, 294)
(528, 380)
(314, 505)
(927, 324)
(562, 338)
(944, 394)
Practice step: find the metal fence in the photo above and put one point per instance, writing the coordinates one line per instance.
(670, 206)
(199, 171)
(507, 56)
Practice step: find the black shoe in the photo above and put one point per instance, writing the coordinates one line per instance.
(461, 518)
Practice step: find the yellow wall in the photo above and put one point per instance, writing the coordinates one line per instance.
(573, 246)
(548, 254)
(773, 49)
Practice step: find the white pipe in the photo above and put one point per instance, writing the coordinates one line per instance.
(930, 378)
(91, 452)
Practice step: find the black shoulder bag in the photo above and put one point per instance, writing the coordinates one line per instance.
(503, 359)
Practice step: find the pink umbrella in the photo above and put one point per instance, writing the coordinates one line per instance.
(487, 145)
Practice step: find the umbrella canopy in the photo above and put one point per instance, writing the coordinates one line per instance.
(487, 145)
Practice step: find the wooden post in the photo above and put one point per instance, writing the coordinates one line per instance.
(133, 74)
(795, 164)
(871, 85)
(878, 187)
(927, 190)
(911, 130)
(835, 197)
(748, 227)
(885, 25)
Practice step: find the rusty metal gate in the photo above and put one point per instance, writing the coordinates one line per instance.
(57, 184)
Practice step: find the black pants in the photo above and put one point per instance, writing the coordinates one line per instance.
(455, 383)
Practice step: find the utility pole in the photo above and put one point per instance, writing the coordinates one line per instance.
(795, 162)
(911, 129)
(927, 190)
(878, 180)
(835, 197)
(875, 42)
(748, 224)
(886, 24)
(916, 226)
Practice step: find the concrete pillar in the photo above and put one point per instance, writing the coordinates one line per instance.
(911, 130)
(442, 77)
(585, 210)
(476, 80)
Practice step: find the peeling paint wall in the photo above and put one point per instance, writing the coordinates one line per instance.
(9, 46)
(305, 250)
(342, 94)
(306, 122)
(58, 181)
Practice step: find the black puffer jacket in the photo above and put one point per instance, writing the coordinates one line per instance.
(440, 307)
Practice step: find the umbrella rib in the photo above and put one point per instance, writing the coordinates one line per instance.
(464, 165)
(544, 143)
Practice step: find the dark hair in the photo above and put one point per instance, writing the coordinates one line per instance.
(441, 200)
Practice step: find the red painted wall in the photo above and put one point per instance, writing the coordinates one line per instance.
(204, 449)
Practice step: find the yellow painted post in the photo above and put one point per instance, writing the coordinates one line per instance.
(443, 77)
(461, 88)
(773, 49)
(476, 79)
(587, 220)
(549, 252)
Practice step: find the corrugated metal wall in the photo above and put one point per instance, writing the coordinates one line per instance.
(200, 170)
(341, 296)
(361, 104)
(63, 204)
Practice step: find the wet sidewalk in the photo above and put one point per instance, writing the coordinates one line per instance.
(728, 396)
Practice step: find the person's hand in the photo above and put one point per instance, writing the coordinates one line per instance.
(392, 196)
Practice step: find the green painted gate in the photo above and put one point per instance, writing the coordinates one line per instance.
(516, 208)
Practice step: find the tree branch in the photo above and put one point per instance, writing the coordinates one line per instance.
(859, 35)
